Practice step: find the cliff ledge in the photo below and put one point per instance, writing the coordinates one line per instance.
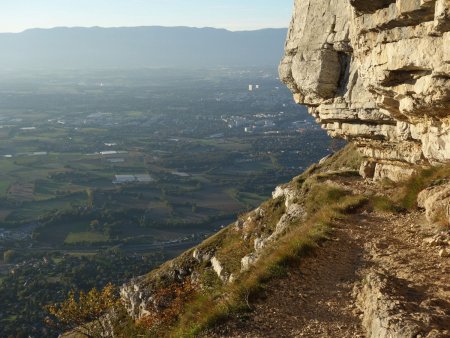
(376, 73)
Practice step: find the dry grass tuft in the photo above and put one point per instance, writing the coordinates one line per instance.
(410, 189)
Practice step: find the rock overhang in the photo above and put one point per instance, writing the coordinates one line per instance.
(377, 74)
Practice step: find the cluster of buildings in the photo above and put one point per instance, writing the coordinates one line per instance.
(112, 152)
(257, 122)
(236, 121)
(139, 178)
(33, 263)
(35, 153)
(16, 235)
(267, 123)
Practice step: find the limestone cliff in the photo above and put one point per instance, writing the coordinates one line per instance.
(376, 73)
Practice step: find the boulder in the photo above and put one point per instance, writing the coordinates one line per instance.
(436, 202)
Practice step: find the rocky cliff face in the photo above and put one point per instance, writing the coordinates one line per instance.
(376, 73)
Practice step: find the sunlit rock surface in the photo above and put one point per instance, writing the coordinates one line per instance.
(376, 73)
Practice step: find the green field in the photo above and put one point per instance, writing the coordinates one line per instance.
(85, 237)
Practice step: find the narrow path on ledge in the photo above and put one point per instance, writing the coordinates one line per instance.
(319, 297)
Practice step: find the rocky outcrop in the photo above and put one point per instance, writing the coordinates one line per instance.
(293, 212)
(145, 295)
(383, 300)
(376, 73)
(436, 202)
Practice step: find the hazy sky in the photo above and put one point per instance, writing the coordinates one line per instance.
(18, 15)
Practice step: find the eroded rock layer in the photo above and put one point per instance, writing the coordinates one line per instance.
(376, 73)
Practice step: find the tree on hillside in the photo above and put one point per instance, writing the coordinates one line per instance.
(89, 314)
(94, 225)
(9, 256)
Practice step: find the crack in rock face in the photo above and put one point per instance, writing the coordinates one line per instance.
(376, 73)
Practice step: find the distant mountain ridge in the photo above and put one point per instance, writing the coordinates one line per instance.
(137, 47)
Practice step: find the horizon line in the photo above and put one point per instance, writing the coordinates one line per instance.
(140, 26)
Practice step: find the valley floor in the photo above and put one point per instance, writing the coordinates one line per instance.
(380, 274)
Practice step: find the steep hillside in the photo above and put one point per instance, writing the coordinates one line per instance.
(331, 254)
